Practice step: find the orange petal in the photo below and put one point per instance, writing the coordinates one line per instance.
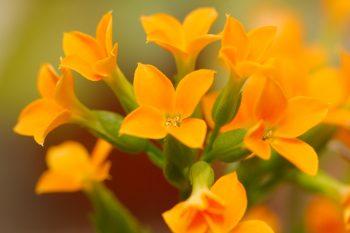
(153, 88)
(207, 107)
(246, 114)
(260, 40)
(55, 182)
(100, 152)
(272, 102)
(324, 215)
(252, 226)
(70, 158)
(339, 117)
(198, 22)
(299, 153)
(234, 36)
(195, 46)
(192, 132)
(254, 141)
(327, 85)
(83, 67)
(105, 67)
(163, 28)
(104, 32)
(64, 93)
(183, 219)
(191, 89)
(302, 114)
(83, 46)
(144, 122)
(229, 189)
(264, 213)
(47, 81)
(39, 118)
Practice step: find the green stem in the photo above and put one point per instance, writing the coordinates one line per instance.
(184, 65)
(123, 89)
(109, 215)
(155, 155)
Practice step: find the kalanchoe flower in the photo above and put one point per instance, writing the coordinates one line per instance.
(72, 169)
(185, 41)
(164, 110)
(57, 105)
(273, 120)
(218, 210)
(93, 58)
(324, 215)
(246, 53)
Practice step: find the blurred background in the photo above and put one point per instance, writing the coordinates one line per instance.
(31, 34)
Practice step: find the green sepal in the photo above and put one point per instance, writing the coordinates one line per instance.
(227, 103)
(104, 124)
(109, 215)
(201, 175)
(178, 159)
(228, 147)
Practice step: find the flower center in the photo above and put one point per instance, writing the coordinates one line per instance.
(172, 121)
(267, 135)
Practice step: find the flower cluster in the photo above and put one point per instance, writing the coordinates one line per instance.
(281, 97)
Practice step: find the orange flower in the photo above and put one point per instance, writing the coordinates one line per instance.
(265, 214)
(57, 106)
(324, 215)
(218, 209)
(246, 53)
(71, 169)
(276, 121)
(164, 110)
(183, 41)
(93, 58)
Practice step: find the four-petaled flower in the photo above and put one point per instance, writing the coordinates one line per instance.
(246, 53)
(273, 120)
(218, 210)
(57, 105)
(93, 58)
(70, 168)
(184, 41)
(164, 110)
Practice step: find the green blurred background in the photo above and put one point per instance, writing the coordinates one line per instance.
(31, 34)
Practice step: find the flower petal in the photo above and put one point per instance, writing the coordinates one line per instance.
(144, 122)
(299, 153)
(234, 36)
(181, 218)
(260, 40)
(207, 107)
(47, 81)
(198, 22)
(272, 103)
(64, 93)
(192, 132)
(104, 32)
(153, 88)
(39, 118)
(195, 46)
(83, 67)
(70, 158)
(164, 28)
(56, 182)
(191, 89)
(100, 152)
(252, 226)
(254, 141)
(229, 189)
(302, 114)
(82, 45)
(106, 66)
(339, 117)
